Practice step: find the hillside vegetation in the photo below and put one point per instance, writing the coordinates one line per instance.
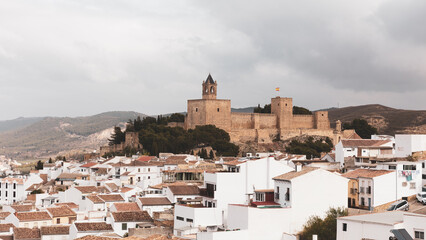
(52, 135)
(385, 119)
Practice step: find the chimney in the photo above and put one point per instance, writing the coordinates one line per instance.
(298, 167)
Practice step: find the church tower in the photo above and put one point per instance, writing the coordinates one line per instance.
(209, 88)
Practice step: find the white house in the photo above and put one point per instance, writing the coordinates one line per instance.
(408, 177)
(363, 150)
(81, 229)
(191, 218)
(182, 192)
(407, 144)
(238, 182)
(57, 232)
(29, 219)
(122, 221)
(379, 225)
(371, 188)
(300, 194)
(13, 189)
(154, 204)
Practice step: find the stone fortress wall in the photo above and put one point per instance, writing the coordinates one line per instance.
(257, 127)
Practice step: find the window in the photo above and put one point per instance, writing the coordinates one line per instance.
(217, 109)
(287, 195)
(362, 201)
(179, 218)
(413, 185)
(139, 170)
(14, 194)
(392, 167)
(5, 194)
(149, 177)
(424, 176)
(345, 227)
(149, 169)
(83, 197)
(7, 184)
(14, 185)
(423, 165)
(419, 235)
(58, 221)
(196, 109)
(124, 226)
(189, 220)
(409, 167)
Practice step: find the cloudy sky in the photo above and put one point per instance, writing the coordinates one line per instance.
(82, 57)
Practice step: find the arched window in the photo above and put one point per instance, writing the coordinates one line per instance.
(211, 89)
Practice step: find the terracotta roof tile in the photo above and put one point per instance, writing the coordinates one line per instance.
(363, 142)
(69, 204)
(134, 216)
(92, 237)
(95, 199)
(184, 190)
(5, 227)
(70, 176)
(33, 216)
(88, 165)
(291, 175)
(3, 215)
(55, 230)
(111, 198)
(125, 207)
(87, 189)
(112, 186)
(365, 173)
(154, 201)
(22, 208)
(62, 211)
(11, 180)
(26, 233)
(93, 226)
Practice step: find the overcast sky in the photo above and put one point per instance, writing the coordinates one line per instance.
(83, 57)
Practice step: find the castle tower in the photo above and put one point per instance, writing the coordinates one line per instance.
(209, 110)
(209, 88)
(283, 109)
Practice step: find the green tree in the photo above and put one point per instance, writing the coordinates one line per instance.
(39, 165)
(301, 110)
(176, 117)
(37, 191)
(117, 137)
(310, 148)
(361, 127)
(211, 155)
(325, 228)
(265, 109)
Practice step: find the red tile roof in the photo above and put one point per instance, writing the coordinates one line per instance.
(184, 190)
(290, 175)
(125, 207)
(55, 230)
(134, 216)
(363, 142)
(33, 216)
(62, 211)
(26, 233)
(154, 201)
(365, 173)
(93, 226)
(111, 197)
(88, 165)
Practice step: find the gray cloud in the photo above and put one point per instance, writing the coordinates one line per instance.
(69, 58)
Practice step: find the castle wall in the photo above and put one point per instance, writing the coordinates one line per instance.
(253, 135)
(303, 121)
(321, 120)
(242, 121)
(267, 121)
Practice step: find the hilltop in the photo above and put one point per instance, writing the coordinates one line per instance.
(52, 135)
(387, 120)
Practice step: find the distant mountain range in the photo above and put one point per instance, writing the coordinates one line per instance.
(38, 137)
(48, 136)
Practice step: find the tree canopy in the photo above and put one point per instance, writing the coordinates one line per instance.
(267, 109)
(117, 136)
(325, 228)
(310, 148)
(155, 136)
(361, 127)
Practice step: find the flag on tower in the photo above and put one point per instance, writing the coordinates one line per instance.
(277, 89)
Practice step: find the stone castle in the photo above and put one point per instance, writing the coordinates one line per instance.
(281, 123)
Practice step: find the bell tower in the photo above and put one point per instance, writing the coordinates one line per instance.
(209, 88)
